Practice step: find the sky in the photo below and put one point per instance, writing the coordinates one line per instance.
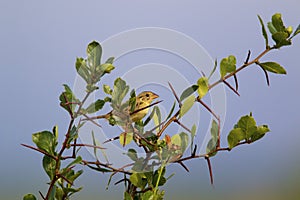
(40, 41)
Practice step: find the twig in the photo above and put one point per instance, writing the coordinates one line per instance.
(143, 108)
(266, 74)
(174, 93)
(215, 115)
(182, 125)
(86, 145)
(41, 151)
(64, 178)
(210, 170)
(164, 127)
(91, 119)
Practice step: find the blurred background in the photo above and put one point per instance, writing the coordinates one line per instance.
(39, 42)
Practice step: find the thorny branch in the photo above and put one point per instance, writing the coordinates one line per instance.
(164, 125)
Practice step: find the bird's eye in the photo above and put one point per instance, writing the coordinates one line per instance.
(147, 95)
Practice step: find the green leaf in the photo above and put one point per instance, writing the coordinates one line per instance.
(55, 133)
(273, 67)
(172, 110)
(214, 130)
(132, 100)
(184, 141)
(59, 193)
(71, 190)
(125, 138)
(29, 197)
(139, 165)
(99, 169)
(278, 23)
(271, 28)
(119, 92)
(176, 140)
(82, 69)
(149, 117)
(235, 136)
(96, 106)
(71, 175)
(157, 116)
(187, 105)
(52, 194)
(92, 87)
(107, 67)
(137, 179)
(248, 125)
(73, 134)
(214, 69)
(107, 89)
(193, 130)
(180, 140)
(264, 32)
(132, 154)
(227, 65)
(45, 141)
(193, 134)
(68, 100)
(94, 53)
(203, 86)
(212, 144)
(147, 195)
(162, 180)
(76, 161)
(187, 92)
(260, 132)
(49, 165)
(281, 39)
(110, 60)
(127, 196)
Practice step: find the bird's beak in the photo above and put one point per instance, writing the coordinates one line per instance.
(155, 96)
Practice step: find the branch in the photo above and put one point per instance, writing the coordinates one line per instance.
(39, 150)
(246, 64)
(164, 127)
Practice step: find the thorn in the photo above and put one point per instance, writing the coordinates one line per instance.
(226, 83)
(112, 139)
(174, 93)
(143, 108)
(42, 195)
(210, 170)
(236, 82)
(248, 57)
(194, 151)
(183, 165)
(266, 74)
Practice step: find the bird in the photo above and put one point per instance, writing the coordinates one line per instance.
(142, 103)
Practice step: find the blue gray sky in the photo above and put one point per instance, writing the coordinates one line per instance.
(39, 44)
